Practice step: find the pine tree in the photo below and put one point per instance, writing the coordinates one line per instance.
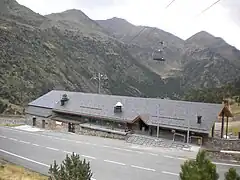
(71, 168)
(232, 175)
(200, 169)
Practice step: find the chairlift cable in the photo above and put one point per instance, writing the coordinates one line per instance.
(170, 4)
(138, 34)
(210, 7)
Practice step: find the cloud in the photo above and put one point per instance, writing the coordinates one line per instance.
(181, 18)
(233, 7)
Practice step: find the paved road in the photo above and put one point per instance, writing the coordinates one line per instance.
(109, 159)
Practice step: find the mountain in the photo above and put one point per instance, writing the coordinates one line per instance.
(202, 61)
(36, 59)
(209, 61)
(76, 20)
(143, 41)
(13, 11)
(216, 44)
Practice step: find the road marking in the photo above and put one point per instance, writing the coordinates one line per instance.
(90, 157)
(68, 152)
(226, 164)
(3, 136)
(129, 150)
(24, 142)
(184, 159)
(36, 145)
(13, 139)
(63, 139)
(230, 152)
(153, 154)
(174, 174)
(52, 149)
(24, 158)
(114, 162)
(169, 157)
(139, 167)
(106, 146)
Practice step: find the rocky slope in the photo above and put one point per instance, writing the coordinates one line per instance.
(202, 60)
(38, 54)
(143, 41)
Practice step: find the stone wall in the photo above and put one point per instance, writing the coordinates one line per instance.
(91, 132)
(223, 144)
(51, 125)
(9, 120)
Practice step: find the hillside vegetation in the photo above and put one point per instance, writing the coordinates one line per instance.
(65, 50)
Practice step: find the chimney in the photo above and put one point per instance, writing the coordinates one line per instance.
(199, 119)
(64, 99)
(118, 107)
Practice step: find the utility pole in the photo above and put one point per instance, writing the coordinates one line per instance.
(100, 77)
(188, 131)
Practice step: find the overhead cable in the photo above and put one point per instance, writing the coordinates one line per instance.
(210, 6)
(138, 34)
(170, 3)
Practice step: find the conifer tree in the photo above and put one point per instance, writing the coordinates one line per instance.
(71, 168)
(200, 169)
(232, 175)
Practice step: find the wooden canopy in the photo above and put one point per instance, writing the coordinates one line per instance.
(226, 111)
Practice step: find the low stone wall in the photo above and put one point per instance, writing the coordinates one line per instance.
(223, 144)
(6, 120)
(94, 132)
(51, 125)
(220, 156)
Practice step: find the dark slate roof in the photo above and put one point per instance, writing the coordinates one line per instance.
(168, 113)
(48, 100)
(38, 111)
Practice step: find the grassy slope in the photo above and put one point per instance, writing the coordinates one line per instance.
(12, 172)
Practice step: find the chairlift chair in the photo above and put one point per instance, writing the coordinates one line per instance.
(157, 56)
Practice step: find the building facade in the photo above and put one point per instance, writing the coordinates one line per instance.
(147, 116)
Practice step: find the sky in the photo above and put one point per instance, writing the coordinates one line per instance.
(183, 18)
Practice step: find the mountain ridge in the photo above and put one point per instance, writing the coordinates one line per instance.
(67, 49)
(38, 59)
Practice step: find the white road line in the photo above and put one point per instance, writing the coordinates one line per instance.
(114, 162)
(226, 164)
(184, 159)
(68, 152)
(24, 142)
(90, 157)
(63, 139)
(174, 174)
(138, 167)
(36, 145)
(153, 154)
(3, 136)
(107, 146)
(129, 150)
(230, 152)
(24, 158)
(166, 156)
(13, 139)
(52, 149)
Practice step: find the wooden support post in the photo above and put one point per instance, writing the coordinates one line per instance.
(227, 128)
(157, 131)
(213, 129)
(43, 124)
(222, 129)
